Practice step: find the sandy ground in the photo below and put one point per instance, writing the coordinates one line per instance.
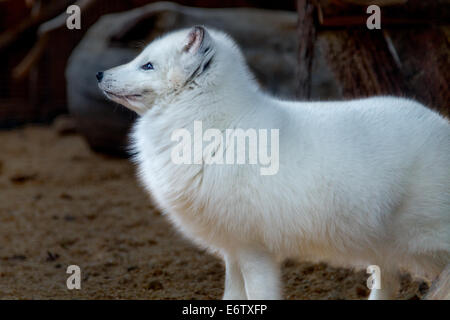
(62, 204)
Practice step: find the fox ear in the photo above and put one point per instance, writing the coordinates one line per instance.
(198, 38)
(197, 52)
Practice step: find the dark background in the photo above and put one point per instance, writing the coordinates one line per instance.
(32, 82)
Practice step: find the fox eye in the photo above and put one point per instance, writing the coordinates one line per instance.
(147, 66)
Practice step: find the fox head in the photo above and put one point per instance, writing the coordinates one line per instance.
(182, 60)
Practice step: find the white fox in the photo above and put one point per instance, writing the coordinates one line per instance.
(360, 182)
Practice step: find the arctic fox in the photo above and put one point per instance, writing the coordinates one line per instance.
(361, 182)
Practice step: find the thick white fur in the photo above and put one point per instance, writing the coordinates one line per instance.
(360, 182)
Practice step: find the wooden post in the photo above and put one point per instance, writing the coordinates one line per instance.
(306, 37)
(362, 63)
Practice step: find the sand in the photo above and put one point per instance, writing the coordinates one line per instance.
(62, 204)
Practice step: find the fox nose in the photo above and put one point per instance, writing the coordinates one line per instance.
(99, 76)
